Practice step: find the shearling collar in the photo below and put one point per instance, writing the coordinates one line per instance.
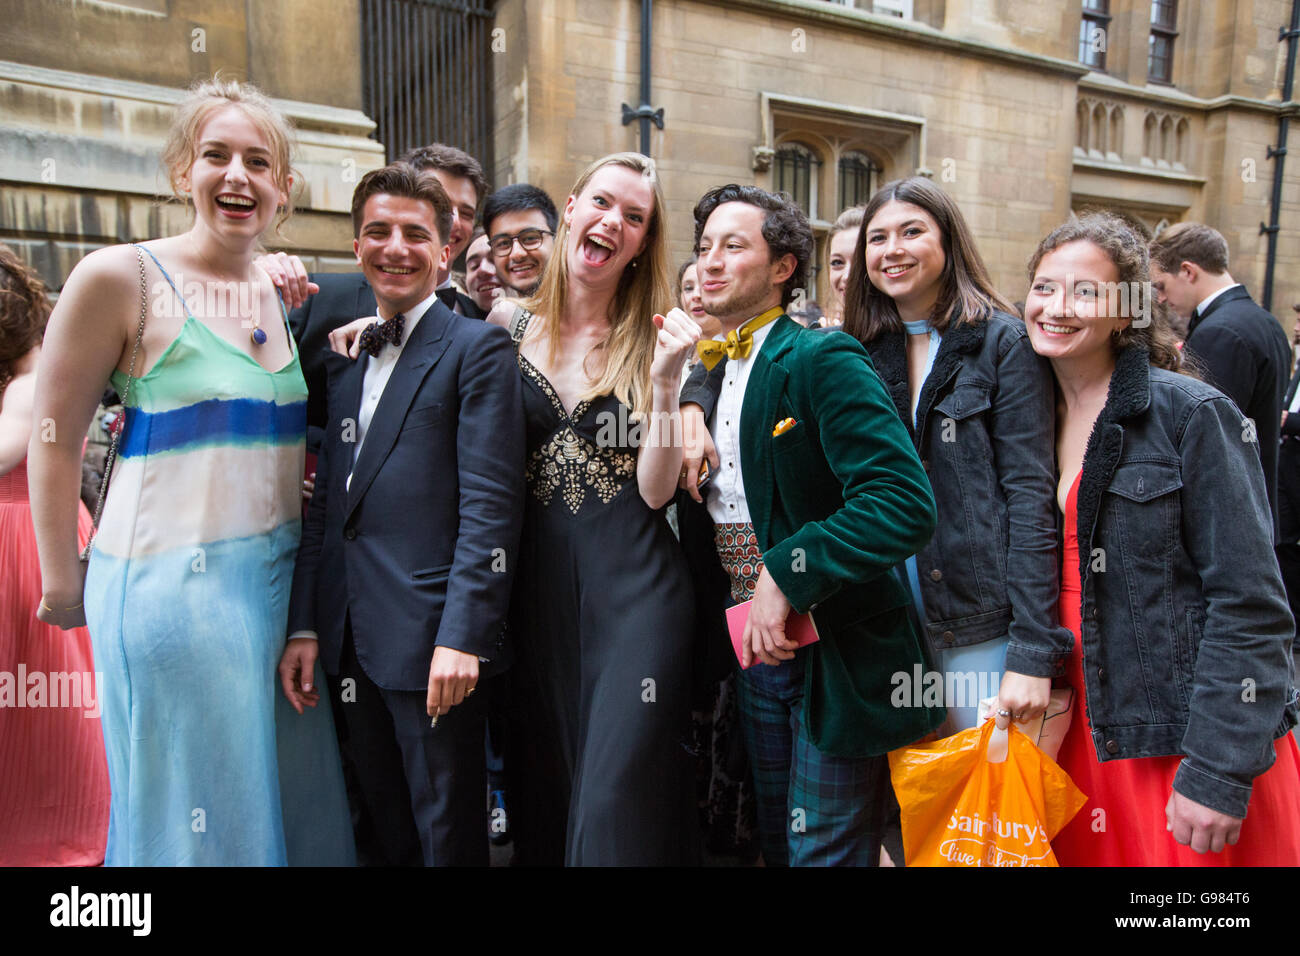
(1129, 395)
(889, 355)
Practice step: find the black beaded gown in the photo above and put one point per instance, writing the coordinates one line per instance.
(601, 626)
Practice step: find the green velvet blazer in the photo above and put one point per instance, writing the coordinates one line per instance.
(837, 502)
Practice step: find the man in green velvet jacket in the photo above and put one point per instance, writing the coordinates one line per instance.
(816, 495)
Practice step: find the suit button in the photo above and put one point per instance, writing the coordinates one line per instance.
(1112, 747)
(949, 637)
(936, 575)
(925, 463)
(1101, 673)
(1092, 612)
(349, 533)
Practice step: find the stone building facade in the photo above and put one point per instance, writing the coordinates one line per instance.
(989, 97)
(86, 96)
(1023, 109)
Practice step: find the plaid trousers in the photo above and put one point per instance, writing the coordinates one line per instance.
(814, 809)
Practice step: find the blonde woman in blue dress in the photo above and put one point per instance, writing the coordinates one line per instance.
(187, 588)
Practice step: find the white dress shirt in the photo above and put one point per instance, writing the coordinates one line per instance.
(379, 369)
(1204, 303)
(726, 491)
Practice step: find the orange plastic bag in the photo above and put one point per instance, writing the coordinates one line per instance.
(961, 808)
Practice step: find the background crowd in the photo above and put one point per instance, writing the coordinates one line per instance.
(1066, 493)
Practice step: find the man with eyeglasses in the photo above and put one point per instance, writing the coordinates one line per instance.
(520, 222)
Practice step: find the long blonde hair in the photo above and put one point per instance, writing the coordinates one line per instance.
(643, 290)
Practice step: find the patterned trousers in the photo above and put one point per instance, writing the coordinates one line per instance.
(814, 809)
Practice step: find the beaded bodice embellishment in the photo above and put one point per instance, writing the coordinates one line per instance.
(568, 463)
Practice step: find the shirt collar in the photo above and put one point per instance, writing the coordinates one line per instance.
(413, 316)
(758, 337)
(1204, 303)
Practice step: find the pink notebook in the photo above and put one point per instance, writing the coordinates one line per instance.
(798, 627)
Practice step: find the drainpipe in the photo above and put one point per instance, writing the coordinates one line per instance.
(645, 112)
(1279, 154)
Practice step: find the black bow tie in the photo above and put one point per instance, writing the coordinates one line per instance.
(447, 296)
(377, 334)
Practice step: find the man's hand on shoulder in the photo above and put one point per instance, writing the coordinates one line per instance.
(502, 311)
(289, 276)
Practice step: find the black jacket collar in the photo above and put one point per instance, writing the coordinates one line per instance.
(1233, 294)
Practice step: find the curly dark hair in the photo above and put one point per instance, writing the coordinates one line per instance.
(24, 310)
(785, 227)
(1127, 248)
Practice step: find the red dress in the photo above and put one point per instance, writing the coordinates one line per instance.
(1133, 792)
(53, 776)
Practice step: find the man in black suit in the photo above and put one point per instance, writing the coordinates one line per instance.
(322, 301)
(1242, 348)
(403, 574)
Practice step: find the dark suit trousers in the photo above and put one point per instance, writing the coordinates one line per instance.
(421, 787)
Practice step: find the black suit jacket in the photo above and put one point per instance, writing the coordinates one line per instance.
(1288, 470)
(1246, 356)
(420, 550)
(342, 298)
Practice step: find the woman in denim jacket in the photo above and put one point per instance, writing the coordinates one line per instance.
(978, 403)
(1168, 577)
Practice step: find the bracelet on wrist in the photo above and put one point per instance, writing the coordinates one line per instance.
(52, 611)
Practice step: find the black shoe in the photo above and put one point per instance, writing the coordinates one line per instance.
(498, 821)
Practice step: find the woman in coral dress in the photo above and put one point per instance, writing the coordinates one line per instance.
(53, 779)
(1180, 661)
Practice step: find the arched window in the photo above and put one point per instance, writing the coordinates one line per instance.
(859, 177)
(1180, 144)
(1150, 148)
(1166, 141)
(797, 168)
(1081, 127)
(1115, 137)
(1097, 137)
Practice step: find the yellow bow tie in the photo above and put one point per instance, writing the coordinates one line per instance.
(738, 343)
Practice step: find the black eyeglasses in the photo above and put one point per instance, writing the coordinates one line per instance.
(529, 239)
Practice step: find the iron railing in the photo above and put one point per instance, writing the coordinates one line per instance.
(427, 74)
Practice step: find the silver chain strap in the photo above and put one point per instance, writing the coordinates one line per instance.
(120, 425)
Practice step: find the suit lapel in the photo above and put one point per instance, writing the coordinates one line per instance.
(365, 304)
(763, 392)
(1232, 295)
(422, 351)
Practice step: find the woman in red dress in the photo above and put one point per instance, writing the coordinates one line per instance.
(1169, 582)
(53, 776)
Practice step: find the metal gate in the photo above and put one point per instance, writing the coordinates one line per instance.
(427, 74)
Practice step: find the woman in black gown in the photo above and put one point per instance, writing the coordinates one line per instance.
(602, 612)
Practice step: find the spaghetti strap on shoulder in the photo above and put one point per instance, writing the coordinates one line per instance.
(165, 275)
(518, 323)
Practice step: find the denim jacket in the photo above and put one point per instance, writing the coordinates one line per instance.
(986, 417)
(1186, 628)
